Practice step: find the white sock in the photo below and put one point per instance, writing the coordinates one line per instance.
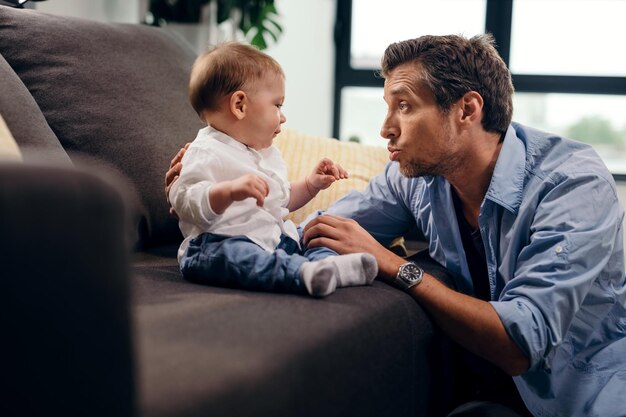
(355, 269)
(322, 277)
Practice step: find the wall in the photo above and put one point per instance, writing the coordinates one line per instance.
(123, 11)
(305, 50)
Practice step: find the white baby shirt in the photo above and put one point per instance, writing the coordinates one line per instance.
(214, 157)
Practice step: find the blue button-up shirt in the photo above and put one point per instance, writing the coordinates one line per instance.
(551, 226)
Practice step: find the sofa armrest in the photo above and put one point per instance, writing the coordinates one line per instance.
(64, 294)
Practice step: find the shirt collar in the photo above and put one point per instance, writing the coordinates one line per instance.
(507, 182)
(225, 139)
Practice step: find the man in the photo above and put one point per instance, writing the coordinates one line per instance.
(529, 222)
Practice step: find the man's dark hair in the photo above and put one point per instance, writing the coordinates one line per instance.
(452, 66)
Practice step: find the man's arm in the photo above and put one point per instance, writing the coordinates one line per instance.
(472, 323)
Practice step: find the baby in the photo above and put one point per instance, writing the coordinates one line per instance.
(233, 194)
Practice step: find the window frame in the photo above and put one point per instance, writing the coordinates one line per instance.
(498, 21)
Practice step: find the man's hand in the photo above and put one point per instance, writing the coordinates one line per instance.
(324, 174)
(346, 236)
(173, 173)
(339, 234)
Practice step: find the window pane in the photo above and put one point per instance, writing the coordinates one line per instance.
(596, 119)
(568, 37)
(362, 113)
(375, 25)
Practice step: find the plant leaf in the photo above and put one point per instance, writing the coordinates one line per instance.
(258, 40)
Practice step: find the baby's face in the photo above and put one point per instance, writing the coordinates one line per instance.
(264, 116)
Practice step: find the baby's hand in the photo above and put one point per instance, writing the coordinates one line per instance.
(247, 186)
(324, 174)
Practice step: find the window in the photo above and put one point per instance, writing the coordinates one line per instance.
(597, 119)
(418, 17)
(568, 37)
(565, 56)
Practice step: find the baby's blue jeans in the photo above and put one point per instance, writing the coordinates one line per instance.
(236, 261)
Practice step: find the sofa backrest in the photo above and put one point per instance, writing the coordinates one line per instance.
(117, 92)
(25, 121)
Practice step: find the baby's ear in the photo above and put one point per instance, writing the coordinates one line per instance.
(238, 104)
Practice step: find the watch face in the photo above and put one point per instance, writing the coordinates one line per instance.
(410, 272)
(409, 275)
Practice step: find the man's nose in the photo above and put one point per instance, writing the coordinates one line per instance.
(388, 131)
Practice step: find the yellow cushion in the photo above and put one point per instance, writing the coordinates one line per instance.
(301, 152)
(8, 147)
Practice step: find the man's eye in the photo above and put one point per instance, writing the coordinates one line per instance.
(402, 105)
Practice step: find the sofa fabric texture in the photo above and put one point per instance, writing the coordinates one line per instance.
(91, 328)
(276, 354)
(117, 91)
(24, 119)
(64, 295)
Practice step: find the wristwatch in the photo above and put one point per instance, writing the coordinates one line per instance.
(409, 275)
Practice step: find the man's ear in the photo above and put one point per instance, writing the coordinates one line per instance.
(471, 106)
(238, 104)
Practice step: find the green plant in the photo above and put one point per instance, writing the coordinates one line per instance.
(595, 130)
(257, 19)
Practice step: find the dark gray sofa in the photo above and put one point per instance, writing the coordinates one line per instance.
(96, 319)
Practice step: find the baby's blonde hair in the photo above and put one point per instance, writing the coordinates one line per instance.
(224, 69)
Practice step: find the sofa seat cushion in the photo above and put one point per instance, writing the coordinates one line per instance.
(225, 352)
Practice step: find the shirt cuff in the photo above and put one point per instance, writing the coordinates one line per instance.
(522, 321)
